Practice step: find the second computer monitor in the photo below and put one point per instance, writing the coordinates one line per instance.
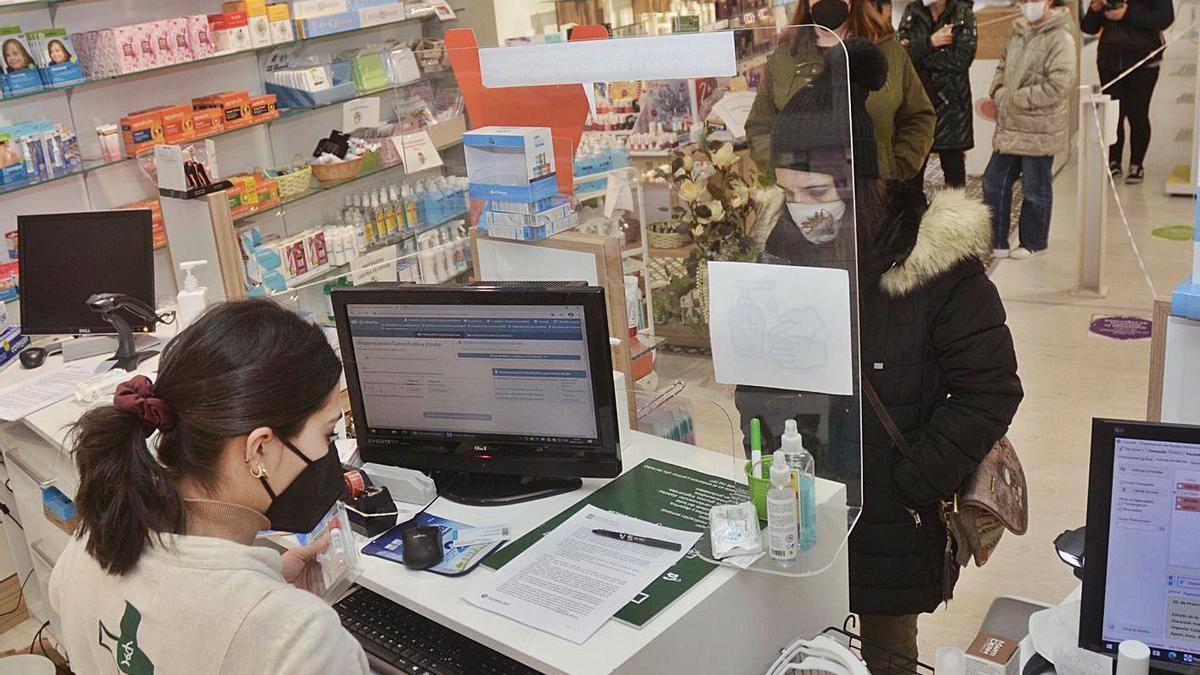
(481, 379)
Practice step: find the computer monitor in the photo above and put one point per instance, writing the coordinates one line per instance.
(1142, 561)
(506, 390)
(67, 257)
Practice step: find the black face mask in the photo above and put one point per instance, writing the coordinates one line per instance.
(300, 506)
(830, 13)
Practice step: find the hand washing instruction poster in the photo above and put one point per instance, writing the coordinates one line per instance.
(781, 326)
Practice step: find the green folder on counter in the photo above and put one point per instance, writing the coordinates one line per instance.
(657, 492)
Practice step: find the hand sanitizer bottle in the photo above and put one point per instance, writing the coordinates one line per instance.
(781, 512)
(193, 298)
(802, 466)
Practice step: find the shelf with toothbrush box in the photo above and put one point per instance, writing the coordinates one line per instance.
(514, 164)
(35, 152)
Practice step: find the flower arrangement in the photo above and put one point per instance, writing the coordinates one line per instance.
(723, 212)
(716, 204)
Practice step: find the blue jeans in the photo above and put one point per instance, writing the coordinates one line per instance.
(1036, 181)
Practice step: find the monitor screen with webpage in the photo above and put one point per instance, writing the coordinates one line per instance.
(1142, 571)
(481, 379)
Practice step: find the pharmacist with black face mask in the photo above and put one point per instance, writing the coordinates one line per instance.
(178, 476)
(901, 113)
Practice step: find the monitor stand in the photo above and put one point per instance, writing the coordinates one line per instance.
(480, 489)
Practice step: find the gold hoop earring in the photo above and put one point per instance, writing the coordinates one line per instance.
(259, 472)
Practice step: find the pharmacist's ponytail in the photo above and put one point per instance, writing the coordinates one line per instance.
(240, 366)
(124, 494)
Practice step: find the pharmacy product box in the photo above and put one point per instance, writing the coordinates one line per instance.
(3, 317)
(260, 25)
(177, 33)
(993, 655)
(312, 9)
(11, 343)
(234, 104)
(141, 131)
(526, 233)
(516, 156)
(12, 165)
(530, 192)
(146, 45)
(383, 14)
(279, 18)
(127, 48)
(263, 108)
(554, 209)
(177, 123)
(230, 31)
(326, 25)
(525, 208)
(359, 5)
(200, 36)
(207, 122)
(164, 45)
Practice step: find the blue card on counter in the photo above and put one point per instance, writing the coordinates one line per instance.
(455, 561)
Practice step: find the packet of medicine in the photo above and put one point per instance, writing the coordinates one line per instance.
(340, 564)
(734, 530)
(480, 535)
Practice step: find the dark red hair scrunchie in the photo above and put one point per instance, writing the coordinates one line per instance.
(137, 396)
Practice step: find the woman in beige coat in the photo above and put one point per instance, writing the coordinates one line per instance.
(1029, 101)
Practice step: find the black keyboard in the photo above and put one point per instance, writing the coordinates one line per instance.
(398, 640)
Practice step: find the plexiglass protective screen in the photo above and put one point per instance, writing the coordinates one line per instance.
(715, 203)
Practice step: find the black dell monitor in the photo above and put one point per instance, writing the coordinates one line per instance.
(67, 257)
(505, 392)
(1142, 561)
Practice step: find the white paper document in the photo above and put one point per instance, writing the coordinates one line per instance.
(572, 581)
(22, 399)
(781, 326)
(734, 110)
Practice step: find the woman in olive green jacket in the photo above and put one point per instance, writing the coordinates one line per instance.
(903, 117)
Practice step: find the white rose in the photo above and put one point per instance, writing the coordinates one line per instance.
(690, 192)
(725, 158)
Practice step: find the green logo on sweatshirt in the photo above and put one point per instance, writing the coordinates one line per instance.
(124, 647)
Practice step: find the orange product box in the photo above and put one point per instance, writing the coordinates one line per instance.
(263, 108)
(233, 6)
(141, 131)
(268, 192)
(207, 121)
(177, 123)
(235, 106)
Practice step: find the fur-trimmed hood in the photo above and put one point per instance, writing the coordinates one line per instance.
(954, 228)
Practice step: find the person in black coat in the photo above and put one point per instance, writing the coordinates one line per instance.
(940, 37)
(1130, 30)
(933, 342)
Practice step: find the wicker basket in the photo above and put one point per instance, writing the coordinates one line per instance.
(294, 183)
(336, 174)
(665, 234)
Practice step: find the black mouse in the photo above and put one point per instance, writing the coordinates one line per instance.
(422, 547)
(33, 357)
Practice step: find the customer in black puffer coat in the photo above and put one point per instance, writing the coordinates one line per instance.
(933, 341)
(1130, 31)
(940, 38)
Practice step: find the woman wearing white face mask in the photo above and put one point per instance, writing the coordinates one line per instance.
(932, 341)
(1030, 103)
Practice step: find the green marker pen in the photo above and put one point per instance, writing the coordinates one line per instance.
(756, 447)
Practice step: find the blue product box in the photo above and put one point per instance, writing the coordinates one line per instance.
(11, 343)
(357, 5)
(326, 25)
(531, 233)
(62, 73)
(540, 189)
(524, 208)
(554, 209)
(57, 503)
(19, 81)
(515, 156)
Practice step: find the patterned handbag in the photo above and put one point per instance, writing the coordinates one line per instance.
(994, 498)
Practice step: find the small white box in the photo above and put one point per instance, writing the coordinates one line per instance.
(550, 213)
(311, 9)
(377, 16)
(260, 31)
(508, 156)
(993, 655)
